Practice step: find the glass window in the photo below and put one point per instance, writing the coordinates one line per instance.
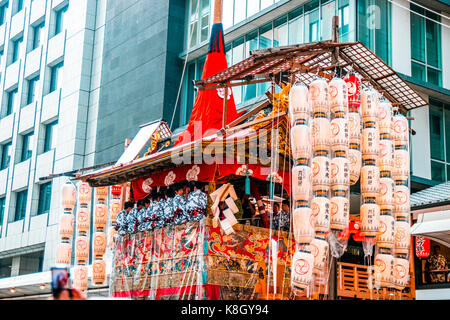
(265, 36)
(198, 22)
(16, 44)
(21, 205)
(425, 46)
(37, 31)
(280, 32)
(437, 171)
(238, 55)
(437, 132)
(296, 26)
(59, 20)
(447, 130)
(45, 194)
(239, 11)
(328, 11)
(19, 5)
(374, 18)
(227, 17)
(50, 136)
(266, 3)
(252, 7)
(32, 89)
(56, 76)
(2, 209)
(3, 8)
(344, 20)
(6, 155)
(251, 43)
(312, 21)
(11, 96)
(27, 146)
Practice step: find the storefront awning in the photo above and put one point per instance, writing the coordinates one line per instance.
(433, 225)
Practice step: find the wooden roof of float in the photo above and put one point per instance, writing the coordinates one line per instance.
(305, 61)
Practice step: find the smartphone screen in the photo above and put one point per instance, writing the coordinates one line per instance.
(60, 279)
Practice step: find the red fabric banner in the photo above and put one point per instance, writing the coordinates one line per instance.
(205, 173)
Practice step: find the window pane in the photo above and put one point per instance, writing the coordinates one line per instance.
(32, 89)
(2, 209)
(50, 136)
(250, 44)
(37, 36)
(227, 16)
(27, 146)
(238, 55)
(228, 53)
(365, 33)
(436, 132)
(205, 28)
(312, 21)
(192, 34)
(45, 193)
(437, 171)
(328, 11)
(280, 32)
(252, 7)
(447, 130)
(266, 3)
(190, 91)
(265, 36)
(239, 11)
(16, 49)
(418, 71)
(11, 100)
(6, 155)
(21, 205)
(382, 34)
(344, 21)
(296, 27)
(433, 37)
(434, 76)
(417, 38)
(448, 172)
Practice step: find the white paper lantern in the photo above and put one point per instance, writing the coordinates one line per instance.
(386, 192)
(338, 92)
(303, 223)
(339, 134)
(301, 183)
(80, 277)
(400, 169)
(401, 272)
(386, 155)
(369, 105)
(401, 199)
(340, 173)
(354, 127)
(299, 107)
(64, 253)
(321, 133)
(301, 143)
(100, 216)
(101, 193)
(320, 207)
(385, 236)
(84, 193)
(400, 132)
(355, 161)
(384, 265)
(81, 249)
(339, 212)
(83, 220)
(370, 219)
(114, 209)
(319, 250)
(68, 196)
(321, 173)
(402, 237)
(370, 181)
(318, 95)
(370, 143)
(66, 226)
(385, 116)
(302, 270)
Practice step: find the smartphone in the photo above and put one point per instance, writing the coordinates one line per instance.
(60, 280)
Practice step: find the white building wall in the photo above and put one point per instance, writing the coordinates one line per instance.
(69, 105)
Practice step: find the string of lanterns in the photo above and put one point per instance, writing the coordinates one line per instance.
(341, 134)
(66, 223)
(99, 238)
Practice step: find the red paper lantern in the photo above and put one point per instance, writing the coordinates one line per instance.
(422, 247)
(116, 190)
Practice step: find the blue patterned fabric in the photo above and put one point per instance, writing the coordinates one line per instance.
(281, 221)
(132, 220)
(140, 219)
(179, 209)
(121, 223)
(196, 205)
(158, 214)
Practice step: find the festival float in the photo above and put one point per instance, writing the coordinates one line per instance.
(332, 138)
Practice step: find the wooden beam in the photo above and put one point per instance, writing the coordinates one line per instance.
(248, 114)
(254, 122)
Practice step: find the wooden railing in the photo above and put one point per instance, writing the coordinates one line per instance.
(353, 282)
